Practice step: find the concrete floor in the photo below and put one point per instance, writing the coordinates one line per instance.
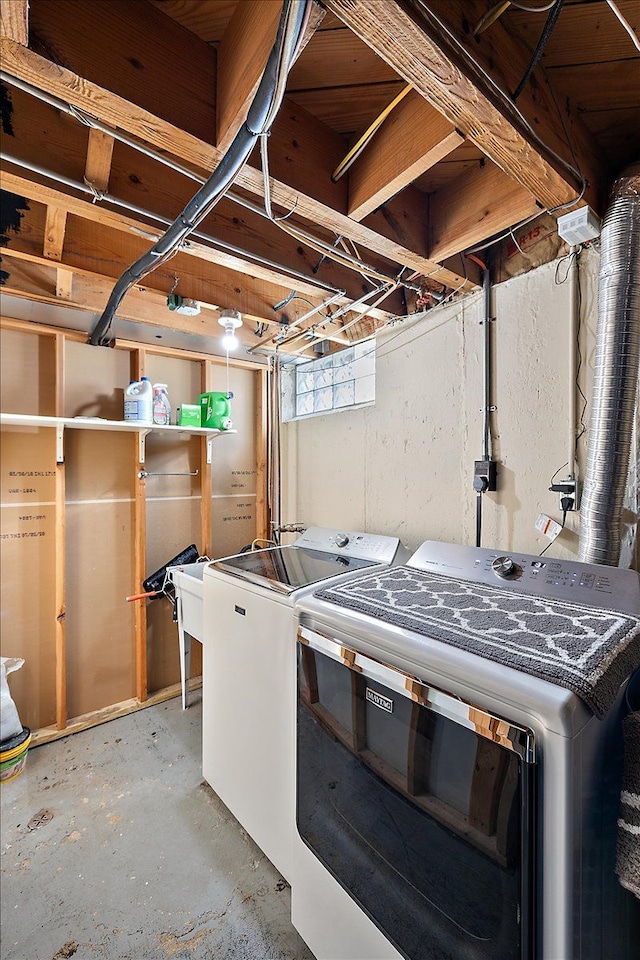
(114, 848)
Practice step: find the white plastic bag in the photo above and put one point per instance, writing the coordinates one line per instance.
(10, 725)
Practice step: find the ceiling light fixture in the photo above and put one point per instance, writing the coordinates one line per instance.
(230, 320)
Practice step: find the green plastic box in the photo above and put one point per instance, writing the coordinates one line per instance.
(190, 415)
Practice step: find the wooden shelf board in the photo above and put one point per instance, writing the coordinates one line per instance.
(95, 423)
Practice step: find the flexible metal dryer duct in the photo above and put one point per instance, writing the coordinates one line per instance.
(615, 383)
(261, 115)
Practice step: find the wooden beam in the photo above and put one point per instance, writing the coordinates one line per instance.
(95, 249)
(410, 37)
(474, 206)
(54, 232)
(206, 473)
(64, 284)
(152, 61)
(14, 20)
(262, 506)
(60, 555)
(137, 370)
(411, 140)
(142, 182)
(115, 111)
(36, 279)
(99, 154)
(242, 57)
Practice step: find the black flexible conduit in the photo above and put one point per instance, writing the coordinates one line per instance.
(261, 114)
(554, 13)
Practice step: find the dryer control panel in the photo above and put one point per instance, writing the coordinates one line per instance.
(587, 583)
(366, 546)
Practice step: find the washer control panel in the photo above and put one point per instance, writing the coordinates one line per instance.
(591, 584)
(366, 546)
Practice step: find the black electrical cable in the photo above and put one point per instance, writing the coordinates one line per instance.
(478, 519)
(554, 13)
(566, 503)
(259, 118)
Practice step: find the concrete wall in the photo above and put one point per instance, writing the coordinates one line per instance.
(405, 466)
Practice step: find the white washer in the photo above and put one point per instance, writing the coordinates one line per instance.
(249, 679)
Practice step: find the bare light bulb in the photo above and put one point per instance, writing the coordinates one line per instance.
(229, 341)
(230, 320)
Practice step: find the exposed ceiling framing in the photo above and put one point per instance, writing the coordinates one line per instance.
(455, 163)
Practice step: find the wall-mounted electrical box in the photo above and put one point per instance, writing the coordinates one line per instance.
(579, 226)
(484, 476)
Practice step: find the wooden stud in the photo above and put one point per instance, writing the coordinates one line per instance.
(14, 20)
(60, 372)
(139, 549)
(54, 230)
(263, 526)
(206, 507)
(411, 139)
(99, 154)
(60, 554)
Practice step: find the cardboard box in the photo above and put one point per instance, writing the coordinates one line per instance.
(189, 415)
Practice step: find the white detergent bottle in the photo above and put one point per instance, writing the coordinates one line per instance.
(161, 405)
(138, 401)
(145, 401)
(131, 400)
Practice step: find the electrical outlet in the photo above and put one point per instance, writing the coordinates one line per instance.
(567, 488)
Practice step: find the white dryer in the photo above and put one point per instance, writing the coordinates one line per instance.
(249, 676)
(459, 760)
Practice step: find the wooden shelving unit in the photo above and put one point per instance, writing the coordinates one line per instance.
(83, 524)
(60, 424)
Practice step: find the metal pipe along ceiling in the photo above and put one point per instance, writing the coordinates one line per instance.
(615, 386)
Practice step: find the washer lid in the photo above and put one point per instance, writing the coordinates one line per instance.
(285, 569)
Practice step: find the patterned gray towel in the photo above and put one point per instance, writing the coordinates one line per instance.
(628, 861)
(585, 649)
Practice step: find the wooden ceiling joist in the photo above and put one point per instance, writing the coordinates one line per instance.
(96, 248)
(411, 140)
(47, 137)
(479, 203)
(14, 20)
(98, 213)
(242, 56)
(114, 111)
(37, 280)
(411, 39)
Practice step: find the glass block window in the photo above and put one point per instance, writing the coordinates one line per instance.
(338, 381)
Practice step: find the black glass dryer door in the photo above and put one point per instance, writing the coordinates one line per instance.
(422, 817)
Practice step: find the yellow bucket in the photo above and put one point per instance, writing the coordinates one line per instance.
(14, 755)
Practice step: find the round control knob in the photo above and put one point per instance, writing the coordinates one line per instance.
(341, 540)
(504, 567)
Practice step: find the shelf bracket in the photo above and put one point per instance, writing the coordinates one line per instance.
(60, 443)
(209, 449)
(142, 434)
